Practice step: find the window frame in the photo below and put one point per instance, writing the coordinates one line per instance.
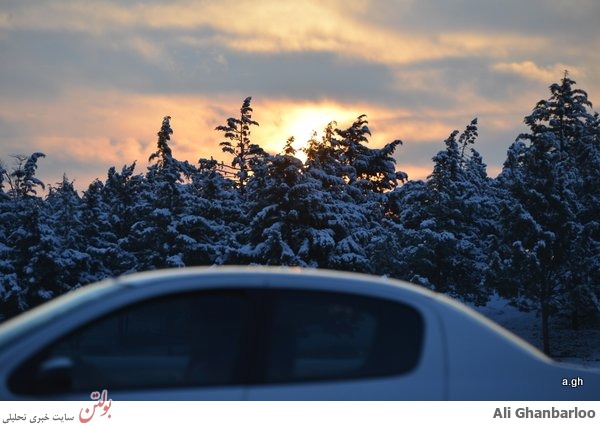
(31, 365)
(265, 325)
(255, 345)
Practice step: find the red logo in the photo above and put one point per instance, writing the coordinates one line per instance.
(103, 404)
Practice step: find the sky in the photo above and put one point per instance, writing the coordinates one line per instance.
(88, 82)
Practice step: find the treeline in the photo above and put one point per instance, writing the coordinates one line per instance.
(532, 234)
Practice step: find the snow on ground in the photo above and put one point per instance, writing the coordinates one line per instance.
(580, 347)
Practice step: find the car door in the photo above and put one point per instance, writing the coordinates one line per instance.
(181, 346)
(328, 345)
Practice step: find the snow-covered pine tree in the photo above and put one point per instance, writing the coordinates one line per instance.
(15, 292)
(356, 228)
(545, 230)
(100, 233)
(323, 159)
(22, 180)
(220, 192)
(207, 221)
(166, 167)
(3, 179)
(582, 136)
(65, 231)
(238, 143)
(405, 211)
(353, 212)
(9, 287)
(371, 170)
(26, 282)
(152, 237)
(120, 194)
(276, 232)
(442, 222)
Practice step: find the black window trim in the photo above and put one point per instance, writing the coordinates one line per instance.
(251, 360)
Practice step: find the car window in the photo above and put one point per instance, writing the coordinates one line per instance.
(332, 336)
(176, 341)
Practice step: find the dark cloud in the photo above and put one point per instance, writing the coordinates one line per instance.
(549, 18)
(45, 63)
(308, 76)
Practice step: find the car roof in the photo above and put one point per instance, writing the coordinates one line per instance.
(182, 279)
(267, 276)
(218, 276)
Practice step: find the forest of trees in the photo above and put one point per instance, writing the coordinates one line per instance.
(531, 235)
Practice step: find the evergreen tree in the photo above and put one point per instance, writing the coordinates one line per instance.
(445, 243)
(323, 160)
(352, 203)
(207, 222)
(372, 170)
(32, 255)
(279, 232)
(152, 237)
(9, 287)
(546, 225)
(166, 168)
(26, 269)
(3, 178)
(121, 196)
(100, 233)
(64, 231)
(22, 179)
(245, 153)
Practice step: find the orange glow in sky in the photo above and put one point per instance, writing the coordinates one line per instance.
(283, 120)
(88, 83)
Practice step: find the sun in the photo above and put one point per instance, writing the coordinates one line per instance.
(281, 120)
(304, 121)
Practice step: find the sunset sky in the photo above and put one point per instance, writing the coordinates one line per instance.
(88, 82)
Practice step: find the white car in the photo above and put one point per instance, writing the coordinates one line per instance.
(259, 333)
